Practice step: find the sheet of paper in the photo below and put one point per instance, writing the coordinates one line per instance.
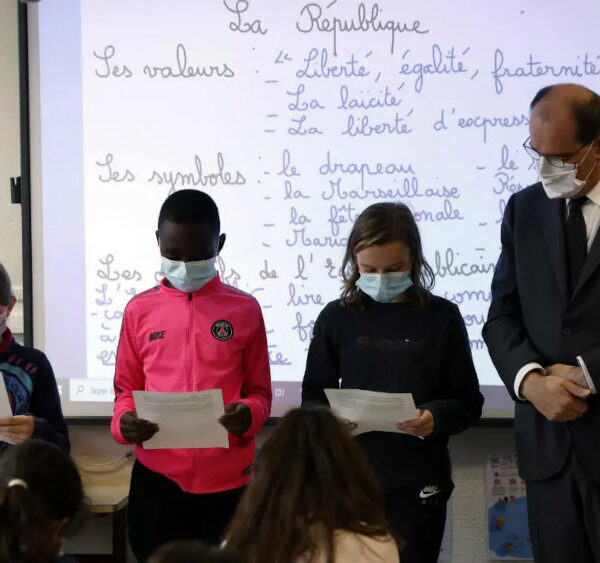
(5, 408)
(185, 420)
(372, 410)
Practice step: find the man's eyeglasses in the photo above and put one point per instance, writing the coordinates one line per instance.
(557, 161)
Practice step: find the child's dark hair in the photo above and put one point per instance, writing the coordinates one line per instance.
(378, 225)
(5, 287)
(191, 551)
(311, 480)
(39, 487)
(190, 206)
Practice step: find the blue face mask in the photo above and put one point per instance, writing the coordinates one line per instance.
(188, 276)
(384, 288)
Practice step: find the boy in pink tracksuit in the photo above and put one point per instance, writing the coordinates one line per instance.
(190, 333)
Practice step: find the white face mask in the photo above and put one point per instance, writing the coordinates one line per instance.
(188, 276)
(561, 183)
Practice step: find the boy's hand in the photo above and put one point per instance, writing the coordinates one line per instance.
(137, 430)
(17, 429)
(237, 418)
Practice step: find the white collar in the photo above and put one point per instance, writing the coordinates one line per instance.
(594, 194)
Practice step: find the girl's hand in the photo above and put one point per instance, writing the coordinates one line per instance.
(421, 426)
(17, 429)
(351, 426)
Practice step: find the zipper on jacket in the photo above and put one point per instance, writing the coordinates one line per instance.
(190, 345)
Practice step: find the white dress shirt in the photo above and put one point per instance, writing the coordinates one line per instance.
(591, 215)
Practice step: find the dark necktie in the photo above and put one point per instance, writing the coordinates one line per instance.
(576, 241)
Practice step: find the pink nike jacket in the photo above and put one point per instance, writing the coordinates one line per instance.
(213, 338)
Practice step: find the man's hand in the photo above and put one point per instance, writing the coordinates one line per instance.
(558, 399)
(237, 418)
(572, 373)
(137, 430)
(422, 426)
(17, 429)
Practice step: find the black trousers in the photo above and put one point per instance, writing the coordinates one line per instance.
(564, 516)
(420, 526)
(159, 512)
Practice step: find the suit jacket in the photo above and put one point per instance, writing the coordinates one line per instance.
(532, 318)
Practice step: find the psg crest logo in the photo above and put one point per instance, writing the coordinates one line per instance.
(222, 330)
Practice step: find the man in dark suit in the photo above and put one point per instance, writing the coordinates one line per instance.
(543, 329)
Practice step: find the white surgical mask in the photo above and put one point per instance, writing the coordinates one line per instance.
(384, 288)
(188, 276)
(561, 183)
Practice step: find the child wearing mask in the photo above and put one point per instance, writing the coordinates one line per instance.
(30, 383)
(389, 333)
(211, 336)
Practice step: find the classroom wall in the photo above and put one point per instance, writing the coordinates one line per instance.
(10, 215)
(469, 451)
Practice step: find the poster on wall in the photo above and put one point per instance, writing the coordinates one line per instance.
(506, 503)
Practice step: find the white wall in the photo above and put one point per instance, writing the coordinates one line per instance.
(10, 215)
(469, 451)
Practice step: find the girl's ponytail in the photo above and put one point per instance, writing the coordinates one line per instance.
(27, 532)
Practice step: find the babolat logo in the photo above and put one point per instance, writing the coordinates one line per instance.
(158, 335)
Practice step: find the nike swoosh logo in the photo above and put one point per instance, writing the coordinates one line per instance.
(423, 494)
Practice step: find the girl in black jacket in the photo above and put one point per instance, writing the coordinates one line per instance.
(389, 333)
